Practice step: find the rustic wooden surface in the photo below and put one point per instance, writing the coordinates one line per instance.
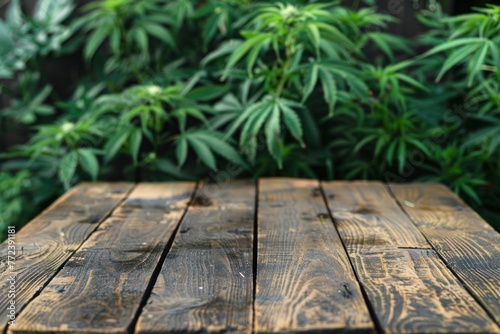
(101, 287)
(469, 246)
(206, 283)
(304, 279)
(45, 244)
(246, 257)
(408, 286)
(367, 216)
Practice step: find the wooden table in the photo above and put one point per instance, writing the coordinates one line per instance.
(283, 255)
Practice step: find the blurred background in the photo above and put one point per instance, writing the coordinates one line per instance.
(396, 90)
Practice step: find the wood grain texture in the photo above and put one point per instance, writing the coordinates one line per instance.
(412, 291)
(468, 245)
(409, 289)
(100, 288)
(366, 215)
(51, 238)
(304, 282)
(206, 283)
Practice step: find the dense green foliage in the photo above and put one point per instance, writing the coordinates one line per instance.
(223, 88)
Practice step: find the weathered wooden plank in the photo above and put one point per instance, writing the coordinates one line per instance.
(367, 215)
(468, 245)
(410, 290)
(206, 284)
(101, 287)
(51, 238)
(304, 282)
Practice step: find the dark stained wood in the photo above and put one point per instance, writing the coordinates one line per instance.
(366, 215)
(50, 239)
(96, 261)
(206, 284)
(305, 282)
(410, 290)
(468, 245)
(101, 287)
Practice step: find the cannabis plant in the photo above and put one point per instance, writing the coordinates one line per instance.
(185, 89)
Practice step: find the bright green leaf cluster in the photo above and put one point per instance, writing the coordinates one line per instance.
(183, 89)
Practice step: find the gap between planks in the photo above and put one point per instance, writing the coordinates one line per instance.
(156, 272)
(255, 253)
(373, 315)
(117, 192)
(438, 212)
(408, 285)
(304, 282)
(205, 283)
(114, 249)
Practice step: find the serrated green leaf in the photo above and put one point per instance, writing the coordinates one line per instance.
(477, 62)
(14, 13)
(481, 135)
(455, 58)
(52, 11)
(332, 33)
(255, 121)
(250, 149)
(329, 89)
(40, 97)
(494, 143)
(221, 147)
(363, 142)
(252, 56)
(94, 41)
(453, 44)
(311, 80)
(194, 113)
(314, 35)
(390, 152)
(192, 82)
(242, 117)
(203, 152)
(207, 93)
(6, 46)
(223, 50)
(114, 40)
(242, 50)
(272, 131)
(161, 33)
(292, 122)
(210, 29)
(494, 49)
(135, 144)
(410, 81)
(382, 44)
(181, 151)
(67, 168)
(419, 145)
(114, 144)
(89, 162)
(141, 39)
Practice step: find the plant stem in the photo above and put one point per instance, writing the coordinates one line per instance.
(284, 78)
